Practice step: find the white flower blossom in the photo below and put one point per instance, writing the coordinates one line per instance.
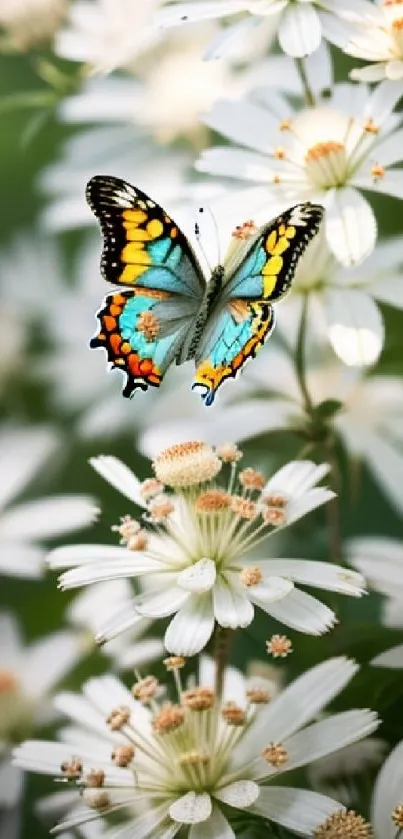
(376, 37)
(195, 564)
(299, 25)
(175, 766)
(30, 22)
(387, 798)
(23, 526)
(328, 154)
(106, 34)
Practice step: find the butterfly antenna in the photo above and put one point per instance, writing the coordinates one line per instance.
(207, 211)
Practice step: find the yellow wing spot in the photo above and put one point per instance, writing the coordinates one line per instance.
(174, 232)
(167, 220)
(269, 284)
(290, 232)
(155, 227)
(137, 234)
(131, 273)
(281, 229)
(273, 265)
(134, 216)
(281, 246)
(133, 252)
(271, 241)
(125, 348)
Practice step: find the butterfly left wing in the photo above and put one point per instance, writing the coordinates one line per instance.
(243, 317)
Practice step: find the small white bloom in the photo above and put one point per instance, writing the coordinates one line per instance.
(28, 676)
(376, 37)
(297, 24)
(195, 566)
(23, 453)
(327, 154)
(30, 22)
(387, 799)
(138, 758)
(106, 34)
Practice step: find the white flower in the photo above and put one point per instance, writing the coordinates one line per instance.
(326, 154)
(29, 22)
(338, 774)
(195, 565)
(23, 526)
(28, 675)
(176, 766)
(106, 34)
(298, 24)
(376, 36)
(96, 605)
(387, 799)
(343, 302)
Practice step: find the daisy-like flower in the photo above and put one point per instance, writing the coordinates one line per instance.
(343, 302)
(381, 560)
(23, 526)
(375, 37)
(300, 25)
(28, 676)
(96, 605)
(171, 767)
(104, 34)
(326, 154)
(192, 557)
(30, 22)
(387, 799)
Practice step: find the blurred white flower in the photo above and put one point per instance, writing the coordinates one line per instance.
(106, 34)
(93, 607)
(387, 798)
(376, 36)
(28, 676)
(339, 774)
(327, 154)
(300, 25)
(195, 565)
(184, 771)
(23, 454)
(29, 22)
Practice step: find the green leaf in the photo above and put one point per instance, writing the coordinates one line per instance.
(27, 99)
(327, 409)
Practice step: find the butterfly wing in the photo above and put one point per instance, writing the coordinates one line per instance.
(143, 329)
(243, 317)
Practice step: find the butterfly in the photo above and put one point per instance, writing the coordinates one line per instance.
(165, 311)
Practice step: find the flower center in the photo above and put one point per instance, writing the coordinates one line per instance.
(397, 816)
(187, 464)
(15, 709)
(326, 164)
(346, 824)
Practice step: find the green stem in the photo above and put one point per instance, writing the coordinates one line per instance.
(300, 358)
(222, 643)
(308, 93)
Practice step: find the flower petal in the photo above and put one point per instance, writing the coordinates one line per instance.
(21, 560)
(72, 555)
(355, 326)
(163, 602)
(240, 794)
(48, 517)
(216, 825)
(302, 612)
(205, 10)
(198, 577)
(298, 810)
(232, 607)
(191, 627)
(370, 73)
(21, 454)
(296, 478)
(49, 660)
(191, 808)
(317, 574)
(392, 658)
(270, 590)
(119, 476)
(300, 31)
(388, 793)
(350, 226)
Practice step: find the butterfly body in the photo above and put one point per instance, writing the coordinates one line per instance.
(166, 311)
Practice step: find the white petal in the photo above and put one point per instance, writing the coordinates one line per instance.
(370, 73)
(49, 660)
(11, 822)
(190, 12)
(228, 37)
(11, 785)
(243, 122)
(48, 517)
(232, 162)
(350, 226)
(98, 572)
(355, 326)
(382, 101)
(304, 504)
(394, 70)
(386, 463)
(21, 455)
(216, 826)
(191, 627)
(163, 602)
(269, 590)
(232, 608)
(302, 612)
(198, 577)
(240, 794)
(191, 808)
(119, 476)
(388, 793)
(120, 621)
(296, 809)
(21, 560)
(390, 150)
(300, 30)
(324, 575)
(296, 478)
(85, 554)
(392, 658)
(391, 182)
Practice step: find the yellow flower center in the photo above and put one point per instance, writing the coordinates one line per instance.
(397, 816)
(326, 164)
(187, 464)
(344, 825)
